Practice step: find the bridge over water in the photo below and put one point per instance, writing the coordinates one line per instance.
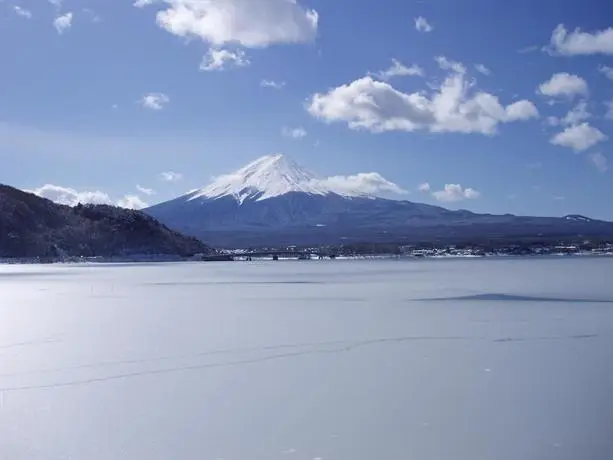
(284, 254)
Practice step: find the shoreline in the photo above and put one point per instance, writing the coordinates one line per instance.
(242, 258)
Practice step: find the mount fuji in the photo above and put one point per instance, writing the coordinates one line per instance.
(276, 175)
(274, 201)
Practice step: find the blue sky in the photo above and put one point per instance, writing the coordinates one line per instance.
(99, 97)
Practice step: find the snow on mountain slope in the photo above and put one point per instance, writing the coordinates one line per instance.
(275, 175)
(266, 177)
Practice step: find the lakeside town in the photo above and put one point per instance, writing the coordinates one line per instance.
(351, 251)
(585, 248)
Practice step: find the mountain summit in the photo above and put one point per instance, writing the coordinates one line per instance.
(266, 177)
(273, 201)
(276, 175)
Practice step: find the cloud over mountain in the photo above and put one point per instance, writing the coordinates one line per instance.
(72, 197)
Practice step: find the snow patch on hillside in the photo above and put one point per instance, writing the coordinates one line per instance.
(577, 218)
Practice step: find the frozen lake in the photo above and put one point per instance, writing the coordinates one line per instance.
(501, 359)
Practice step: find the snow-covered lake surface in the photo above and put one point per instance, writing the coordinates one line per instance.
(500, 359)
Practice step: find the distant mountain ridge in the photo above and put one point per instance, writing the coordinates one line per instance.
(272, 201)
(31, 226)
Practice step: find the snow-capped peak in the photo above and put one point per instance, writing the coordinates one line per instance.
(266, 177)
(276, 175)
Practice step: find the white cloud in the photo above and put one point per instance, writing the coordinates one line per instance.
(219, 59)
(578, 137)
(447, 64)
(294, 133)
(63, 23)
(171, 176)
(521, 110)
(578, 42)
(132, 202)
(155, 101)
(398, 69)
(93, 16)
(563, 85)
(454, 192)
(599, 161)
(24, 13)
(425, 187)
(249, 23)
(145, 190)
(363, 183)
(272, 84)
(482, 69)
(606, 71)
(576, 115)
(422, 25)
(71, 197)
(378, 107)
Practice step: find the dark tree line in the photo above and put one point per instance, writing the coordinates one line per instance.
(31, 226)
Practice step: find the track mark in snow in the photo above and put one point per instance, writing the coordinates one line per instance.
(335, 347)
